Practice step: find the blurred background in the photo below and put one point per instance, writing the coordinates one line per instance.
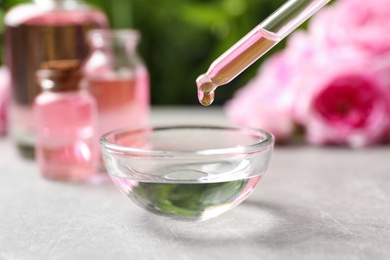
(180, 39)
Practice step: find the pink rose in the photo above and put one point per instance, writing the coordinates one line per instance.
(345, 99)
(323, 65)
(265, 102)
(4, 99)
(350, 110)
(333, 80)
(363, 24)
(345, 102)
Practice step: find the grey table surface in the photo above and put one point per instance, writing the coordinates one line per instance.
(313, 203)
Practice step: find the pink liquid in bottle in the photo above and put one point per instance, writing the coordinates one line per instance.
(65, 123)
(118, 79)
(66, 147)
(121, 102)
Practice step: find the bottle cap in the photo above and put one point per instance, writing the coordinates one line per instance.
(60, 75)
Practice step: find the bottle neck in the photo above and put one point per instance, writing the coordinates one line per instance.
(114, 40)
(59, 4)
(58, 76)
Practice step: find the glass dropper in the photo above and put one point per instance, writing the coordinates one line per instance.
(254, 45)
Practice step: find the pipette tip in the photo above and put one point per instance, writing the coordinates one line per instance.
(206, 89)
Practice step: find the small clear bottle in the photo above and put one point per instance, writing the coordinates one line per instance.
(118, 79)
(65, 123)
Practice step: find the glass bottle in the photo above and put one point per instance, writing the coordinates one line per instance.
(36, 32)
(65, 123)
(118, 79)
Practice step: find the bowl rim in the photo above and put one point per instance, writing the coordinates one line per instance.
(263, 145)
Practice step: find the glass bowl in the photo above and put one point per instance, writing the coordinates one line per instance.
(187, 172)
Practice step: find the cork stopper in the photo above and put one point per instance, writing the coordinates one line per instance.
(60, 75)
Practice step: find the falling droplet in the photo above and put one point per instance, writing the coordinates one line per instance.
(205, 98)
(205, 90)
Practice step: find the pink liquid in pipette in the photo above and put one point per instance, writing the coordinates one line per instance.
(233, 62)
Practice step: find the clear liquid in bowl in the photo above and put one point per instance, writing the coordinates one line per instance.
(188, 201)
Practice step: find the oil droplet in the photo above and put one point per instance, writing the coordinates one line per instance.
(205, 90)
(205, 98)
